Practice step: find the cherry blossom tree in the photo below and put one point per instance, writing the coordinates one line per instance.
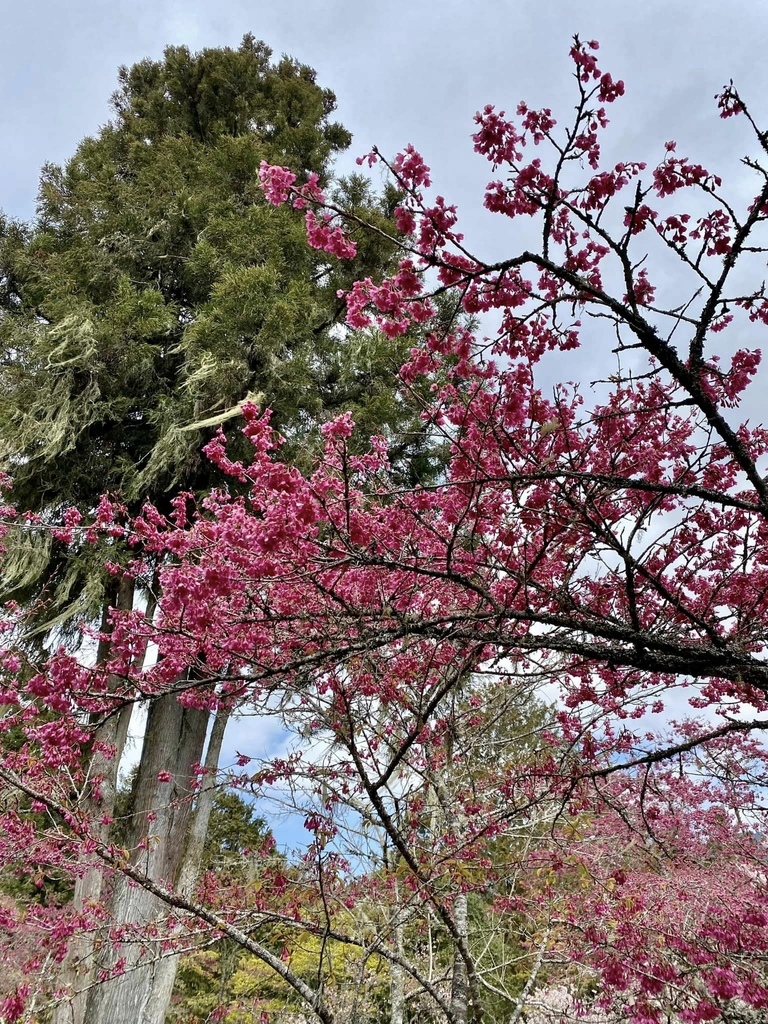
(600, 551)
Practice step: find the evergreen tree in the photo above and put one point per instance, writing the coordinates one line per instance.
(154, 292)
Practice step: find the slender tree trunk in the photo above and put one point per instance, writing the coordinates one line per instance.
(173, 742)
(165, 970)
(77, 971)
(459, 982)
(391, 859)
(528, 987)
(396, 973)
(454, 818)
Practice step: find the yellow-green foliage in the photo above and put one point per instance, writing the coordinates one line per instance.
(356, 986)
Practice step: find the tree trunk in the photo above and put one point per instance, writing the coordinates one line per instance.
(173, 742)
(165, 970)
(77, 971)
(396, 973)
(459, 982)
(391, 858)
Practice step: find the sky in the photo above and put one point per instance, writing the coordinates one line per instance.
(403, 72)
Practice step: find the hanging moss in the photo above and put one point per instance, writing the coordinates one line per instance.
(156, 290)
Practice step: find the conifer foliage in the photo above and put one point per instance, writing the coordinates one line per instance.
(156, 290)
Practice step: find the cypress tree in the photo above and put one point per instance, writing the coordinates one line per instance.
(156, 289)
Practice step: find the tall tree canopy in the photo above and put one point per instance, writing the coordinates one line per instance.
(156, 289)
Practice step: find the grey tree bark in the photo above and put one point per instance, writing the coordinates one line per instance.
(77, 972)
(444, 791)
(459, 984)
(173, 742)
(165, 970)
(396, 972)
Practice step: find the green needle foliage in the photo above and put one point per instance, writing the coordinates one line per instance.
(156, 290)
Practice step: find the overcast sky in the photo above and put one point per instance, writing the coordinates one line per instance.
(402, 71)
